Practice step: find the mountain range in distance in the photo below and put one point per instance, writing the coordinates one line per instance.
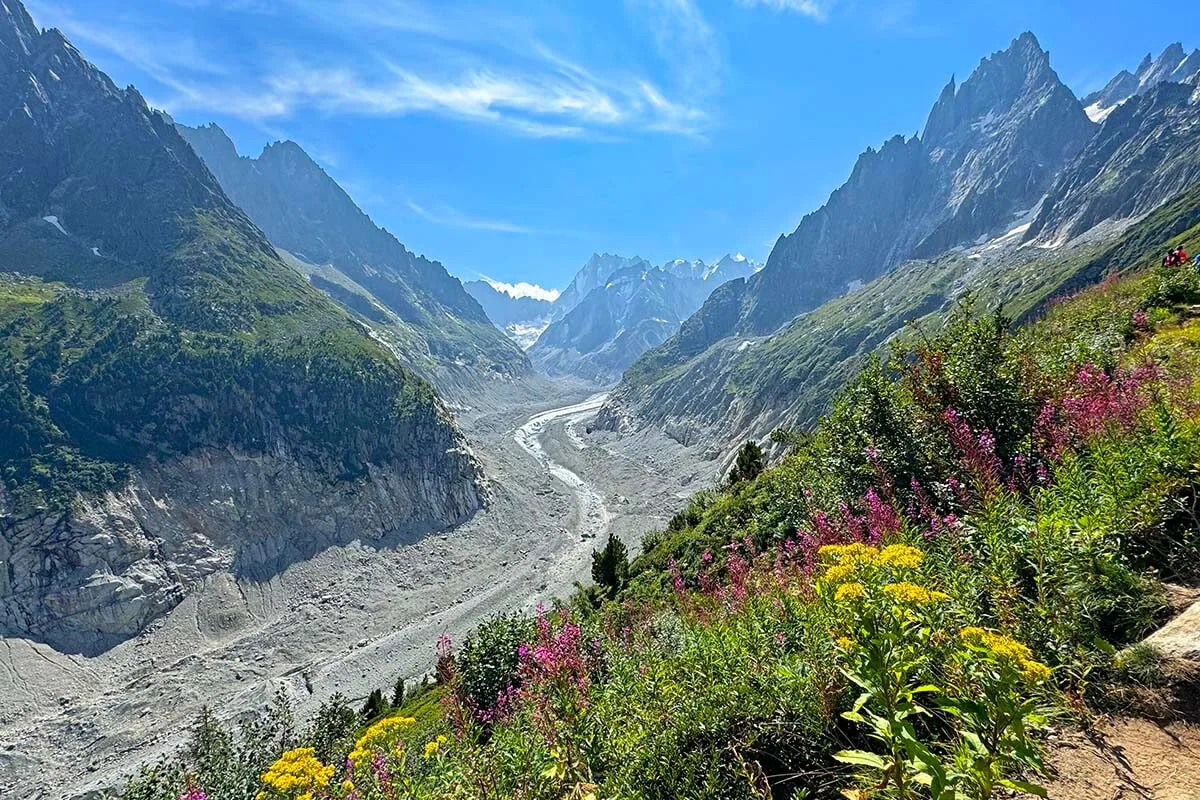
(614, 309)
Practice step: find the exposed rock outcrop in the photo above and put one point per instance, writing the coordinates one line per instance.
(85, 579)
(1147, 152)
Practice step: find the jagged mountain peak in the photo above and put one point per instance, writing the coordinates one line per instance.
(1002, 81)
(1174, 65)
(991, 148)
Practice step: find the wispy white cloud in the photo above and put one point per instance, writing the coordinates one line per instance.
(685, 41)
(817, 9)
(523, 289)
(522, 86)
(445, 215)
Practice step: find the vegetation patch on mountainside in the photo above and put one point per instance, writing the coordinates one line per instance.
(92, 384)
(964, 553)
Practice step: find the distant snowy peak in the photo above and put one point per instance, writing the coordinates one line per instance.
(1173, 65)
(730, 268)
(682, 268)
(726, 268)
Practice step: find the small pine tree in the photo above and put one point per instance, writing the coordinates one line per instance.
(398, 693)
(610, 566)
(375, 707)
(748, 465)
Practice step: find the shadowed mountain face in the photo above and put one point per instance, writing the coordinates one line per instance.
(305, 212)
(161, 361)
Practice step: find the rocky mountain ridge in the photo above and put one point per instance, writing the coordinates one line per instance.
(434, 325)
(990, 149)
(1173, 65)
(1146, 152)
(174, 399)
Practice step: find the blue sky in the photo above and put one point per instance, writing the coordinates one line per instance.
(513, 139)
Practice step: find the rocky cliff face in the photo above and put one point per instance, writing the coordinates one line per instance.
(306, 213)
(86, 579)
(1147, 152)
(179, 400)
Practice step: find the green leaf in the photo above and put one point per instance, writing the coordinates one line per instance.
(1022, 786)
(975, 742)
(860, 758)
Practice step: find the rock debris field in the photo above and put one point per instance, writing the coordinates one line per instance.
(350, 619)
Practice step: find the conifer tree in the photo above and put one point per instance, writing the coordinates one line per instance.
(748, 465)
(610, 566)
(375, 707)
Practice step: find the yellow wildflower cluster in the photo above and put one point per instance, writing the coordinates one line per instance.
(845, 642)
(1005, 649)
(912, 594)
(849, 591)
(848, 559)
(839, 573)
(378, 737)
(296, 774)
(902, 556)
(432, 747)
(838, 553)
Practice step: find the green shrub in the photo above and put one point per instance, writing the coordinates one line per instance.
(487, 661)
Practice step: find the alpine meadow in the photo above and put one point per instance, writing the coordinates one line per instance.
(683, 467)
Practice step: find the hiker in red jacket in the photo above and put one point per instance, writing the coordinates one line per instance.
(1182, 256)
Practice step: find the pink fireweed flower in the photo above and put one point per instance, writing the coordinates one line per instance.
(1099, 402)
(882, 519)
(676, 577)
(854, 526)
(977, 451)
